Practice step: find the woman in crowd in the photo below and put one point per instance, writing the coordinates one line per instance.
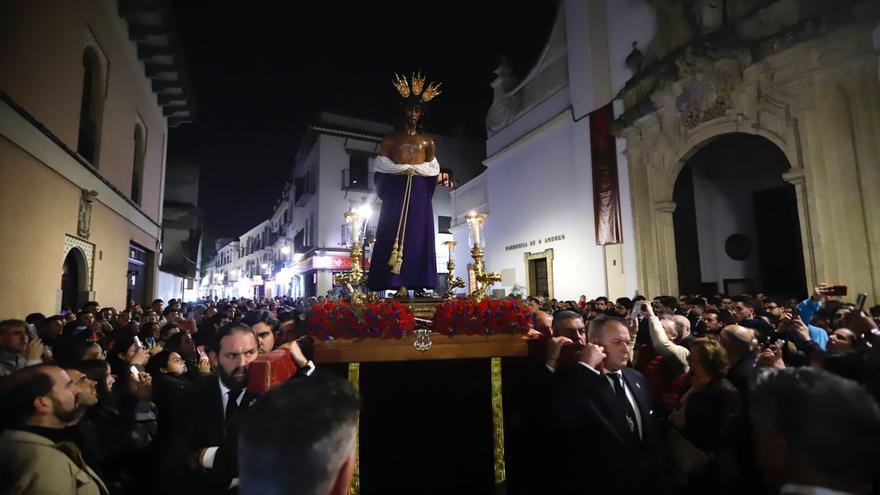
(707, 421)
(170, 385)
(149, 330)
(183, 344)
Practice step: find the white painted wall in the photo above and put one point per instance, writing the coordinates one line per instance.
(536, 190)
(627, 21)
(539, 182)
(170, 286)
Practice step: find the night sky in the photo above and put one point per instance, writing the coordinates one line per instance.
(260, 72)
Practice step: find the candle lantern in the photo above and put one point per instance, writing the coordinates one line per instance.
(483, 278)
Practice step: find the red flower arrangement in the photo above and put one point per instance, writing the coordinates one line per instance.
(487, 317)
(377, 320)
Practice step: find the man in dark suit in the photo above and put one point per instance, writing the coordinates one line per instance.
(606, 425)
(206, 436)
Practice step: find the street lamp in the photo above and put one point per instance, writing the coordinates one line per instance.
(364, 212)
(285, 250)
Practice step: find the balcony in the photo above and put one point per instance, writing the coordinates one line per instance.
(299, 242)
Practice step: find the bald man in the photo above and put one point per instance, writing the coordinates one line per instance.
(740, 344)
(683, 328)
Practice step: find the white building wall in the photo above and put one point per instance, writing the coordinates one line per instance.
(627, 21)
(539, 181)
(333, 201)
(170, 286)
(535, 191)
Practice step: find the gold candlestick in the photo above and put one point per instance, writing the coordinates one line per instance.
(354, 278)
(452, 282)
(483, 278)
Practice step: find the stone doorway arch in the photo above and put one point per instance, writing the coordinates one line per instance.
(816, 96)
(77, 269)
(657, 148)
(735, 223)
(74, 279)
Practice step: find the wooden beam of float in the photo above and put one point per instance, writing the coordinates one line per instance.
(493, 347)
(457, 347)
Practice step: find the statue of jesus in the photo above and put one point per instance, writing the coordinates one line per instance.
(406, 176)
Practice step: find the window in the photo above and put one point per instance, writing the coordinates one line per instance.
(358, 172)
(444, 224)
(137, 171)
(444, 178)
(90, 108)
(299, 241)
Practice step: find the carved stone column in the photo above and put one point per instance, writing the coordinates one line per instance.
(797, 178)
(665, 233)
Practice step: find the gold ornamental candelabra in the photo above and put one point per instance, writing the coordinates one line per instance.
(354, 279)
(452, 282)
(483, 279)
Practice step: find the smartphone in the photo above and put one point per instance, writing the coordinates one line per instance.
(134, 371)
(201, 350)
(137, 342)
(636, 309)
(835, 290)
(860, 302)
(779, 343)
(150, 341)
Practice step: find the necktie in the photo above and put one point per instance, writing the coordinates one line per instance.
(621, 396)
(231, 406)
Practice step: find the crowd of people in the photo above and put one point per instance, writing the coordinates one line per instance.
(749, 394)
(745, 394)
(138, 401)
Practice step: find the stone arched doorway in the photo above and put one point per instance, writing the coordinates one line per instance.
(735, 221)
(814, 96)
(74, 279)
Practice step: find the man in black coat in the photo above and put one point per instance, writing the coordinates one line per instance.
(607, 433)
(205, 443)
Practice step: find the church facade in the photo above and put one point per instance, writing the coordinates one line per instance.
(801, 77)
(540, 233)
(746, 151)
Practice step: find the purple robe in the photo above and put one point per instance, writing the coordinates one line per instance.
(419, 269)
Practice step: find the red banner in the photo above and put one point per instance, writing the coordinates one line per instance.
(606, 193)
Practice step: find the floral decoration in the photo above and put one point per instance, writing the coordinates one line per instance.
(486, 317)
(343, 320)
